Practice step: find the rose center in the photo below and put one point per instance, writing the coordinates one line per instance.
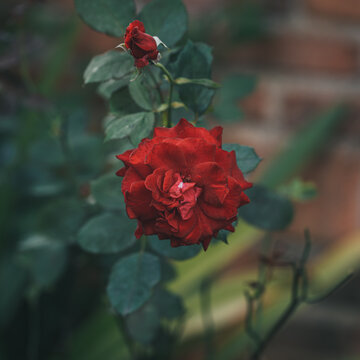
(186, 194)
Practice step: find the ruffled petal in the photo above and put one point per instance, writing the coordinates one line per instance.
(138, 202)
(142, 42)
(184, 129)
(167, 155)
(131, 176)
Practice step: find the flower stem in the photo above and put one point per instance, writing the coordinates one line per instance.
(142, 244)
(167, 119)
(169, 124)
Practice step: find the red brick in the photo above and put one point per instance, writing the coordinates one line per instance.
(300, 107)
(315, 54)
(334, 213)
(200, 7)
(254, 106)
(246, 54)
(345, 9)
(93, 43)
(293, 51)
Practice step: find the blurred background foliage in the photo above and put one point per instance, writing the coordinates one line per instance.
(52, 303)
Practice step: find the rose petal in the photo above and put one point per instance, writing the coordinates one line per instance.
(184, 130)
(167, 155)
(138, 200)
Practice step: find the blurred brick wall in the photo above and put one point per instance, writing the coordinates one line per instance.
(308, 60)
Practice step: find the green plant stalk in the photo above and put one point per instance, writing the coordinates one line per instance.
(167, 120)
(157, 86)
(285, 316)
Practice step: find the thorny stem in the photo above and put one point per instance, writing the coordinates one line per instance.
(142, 244)
(290, 309)
(299, 295)
(249, 320)
(167, 119)
(157, 86)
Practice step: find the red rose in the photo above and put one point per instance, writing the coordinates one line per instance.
(142, 46)
(182, 186)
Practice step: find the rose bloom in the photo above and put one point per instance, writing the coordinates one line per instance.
(143, 47)
(182, 186)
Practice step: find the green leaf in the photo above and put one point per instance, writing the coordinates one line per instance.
(174, 105)
(107, 233)
(45, 258)
(203, 82)
(107, 88)
(106, 190)
(298, 190)
(131, 281)
(267, 210)
(144, 129)
(222, 236)
(107, 16)
(166, 19)
(137, 126)
(144, 323)
(168, 304)
(116, 147)
(140, 94)
(122, 103)
(168, 272)
(164, 248)
(66, 226)
(87, 153)
(194, 62)
(234, 88)
(246, 157)
(112, 64)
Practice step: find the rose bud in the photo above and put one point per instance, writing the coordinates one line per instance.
(142, 46)
(180, 185)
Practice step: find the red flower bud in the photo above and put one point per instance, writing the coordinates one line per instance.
(142, 46)
(182, 186)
